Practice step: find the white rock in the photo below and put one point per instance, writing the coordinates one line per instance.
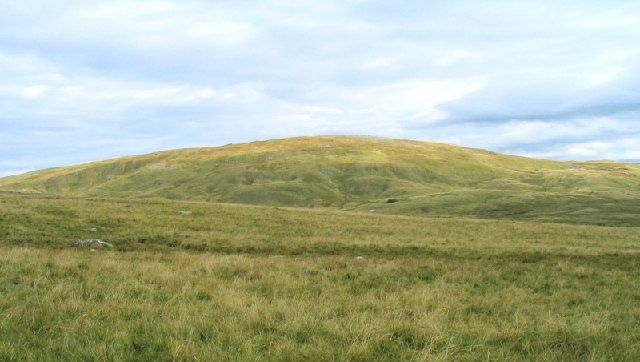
(88, 242)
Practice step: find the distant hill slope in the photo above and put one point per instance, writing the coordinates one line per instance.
(361, 173)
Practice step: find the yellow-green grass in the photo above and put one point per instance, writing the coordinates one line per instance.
(361, 173)
(235, 282)
(78, 305)
(229, 228)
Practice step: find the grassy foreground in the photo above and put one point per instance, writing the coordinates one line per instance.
(261, 283)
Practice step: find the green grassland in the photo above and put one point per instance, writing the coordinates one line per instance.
(359, 174)
(240, 282)
(322, 248)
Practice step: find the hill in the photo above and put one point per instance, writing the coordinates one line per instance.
(360, 173)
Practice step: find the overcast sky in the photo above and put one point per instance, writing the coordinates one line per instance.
(86, 80)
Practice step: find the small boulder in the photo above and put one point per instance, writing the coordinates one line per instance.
(91, 242)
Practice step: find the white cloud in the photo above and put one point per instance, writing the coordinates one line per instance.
(621, 149)
(81, 94)
(547, 78)
(460, 55)
(409, 101)
(129, 24)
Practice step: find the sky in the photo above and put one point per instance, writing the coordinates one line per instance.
(87, 80)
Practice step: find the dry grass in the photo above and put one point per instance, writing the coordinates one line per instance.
(70, 304)
(232, 282)
(159, 225)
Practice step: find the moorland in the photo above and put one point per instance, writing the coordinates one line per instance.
(343, 248)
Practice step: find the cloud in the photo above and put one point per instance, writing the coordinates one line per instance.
(621, 149)
(82, 80)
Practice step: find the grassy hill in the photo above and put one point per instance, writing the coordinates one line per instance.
(190, 279)
(361, 173)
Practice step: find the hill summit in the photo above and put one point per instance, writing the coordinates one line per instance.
(362, 174)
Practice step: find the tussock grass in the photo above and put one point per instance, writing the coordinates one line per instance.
(234, 282)
(73, 304)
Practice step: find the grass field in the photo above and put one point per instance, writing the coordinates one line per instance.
(239, 282)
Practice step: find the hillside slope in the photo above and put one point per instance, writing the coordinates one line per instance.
(361, 173)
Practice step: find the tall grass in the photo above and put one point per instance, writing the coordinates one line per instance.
(230, 282)
(78, 305)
